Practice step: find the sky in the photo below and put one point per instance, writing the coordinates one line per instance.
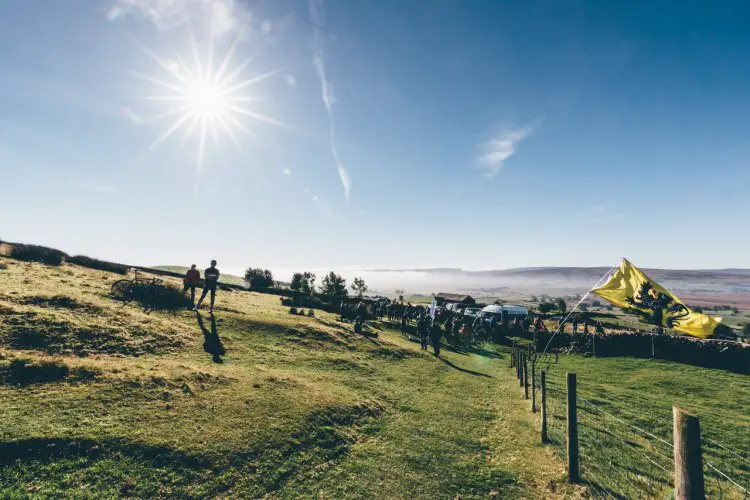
(338, 134)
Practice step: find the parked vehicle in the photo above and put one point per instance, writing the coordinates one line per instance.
(512, 311)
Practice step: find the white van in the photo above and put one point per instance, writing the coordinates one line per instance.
(512, 311)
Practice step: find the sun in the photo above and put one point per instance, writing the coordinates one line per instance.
(205, 100)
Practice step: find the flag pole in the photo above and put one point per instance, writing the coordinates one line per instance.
(562, 323)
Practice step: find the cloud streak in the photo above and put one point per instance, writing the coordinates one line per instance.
(495, 151)
(318, 21)
(224, 17)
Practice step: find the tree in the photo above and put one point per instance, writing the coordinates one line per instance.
(583, 307)
(545, 307)
(597, 303)
(259, 278)
(534, 298)
(399, 292)
(561, 305)
(359, 287)
(296, 283)
(333, 285)
(308, 282)
(303, 282)
(697, 309)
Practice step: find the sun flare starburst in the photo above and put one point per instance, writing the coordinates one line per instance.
(205, 100)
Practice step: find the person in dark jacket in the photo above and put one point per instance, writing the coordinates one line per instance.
(435, 334)
(211, 277)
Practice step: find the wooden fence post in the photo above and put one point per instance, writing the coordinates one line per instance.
(521, 362)
(512, 354)
(525, 378)
(572, 441)
(533, 384)
(518, 364)
(688, 462)
(544, 406)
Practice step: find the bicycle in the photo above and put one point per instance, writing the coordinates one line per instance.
(144, 289)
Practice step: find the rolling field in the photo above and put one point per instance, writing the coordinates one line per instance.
(100, 400)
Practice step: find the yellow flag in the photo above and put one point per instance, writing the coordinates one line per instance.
(633, 291)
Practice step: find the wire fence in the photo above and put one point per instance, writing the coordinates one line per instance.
(626, 450)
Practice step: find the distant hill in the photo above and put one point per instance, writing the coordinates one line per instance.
(577, 278)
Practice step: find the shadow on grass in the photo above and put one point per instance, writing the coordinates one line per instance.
(464, 370)
(47, 450)
(211, 341)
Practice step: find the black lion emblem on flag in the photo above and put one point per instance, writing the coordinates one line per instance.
(655, 306)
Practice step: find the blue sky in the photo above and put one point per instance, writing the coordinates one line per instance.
(381, 133)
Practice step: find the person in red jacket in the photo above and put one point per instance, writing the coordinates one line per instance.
(191, 279)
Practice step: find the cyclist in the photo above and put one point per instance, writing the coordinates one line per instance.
(191, 279)
(211, 277)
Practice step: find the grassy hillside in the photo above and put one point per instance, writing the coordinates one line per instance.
(100, 400)
(229, 279)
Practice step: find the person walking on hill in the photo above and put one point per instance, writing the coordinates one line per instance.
(435, 334)
(190, 281)
(211, 277)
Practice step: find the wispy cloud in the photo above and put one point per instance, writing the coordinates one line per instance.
(223, 17)
(495, 151)
(317, 17)
(287, 172)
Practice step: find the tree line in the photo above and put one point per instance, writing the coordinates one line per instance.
(332, 284)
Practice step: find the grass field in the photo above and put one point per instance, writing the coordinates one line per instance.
(625, 422)
(99, 400)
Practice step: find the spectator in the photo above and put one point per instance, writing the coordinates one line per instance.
(190, 281)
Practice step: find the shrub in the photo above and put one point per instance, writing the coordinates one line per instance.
(583, 307)
(101, 265)
(259, 278)
(36, 253)
(561, 305)
(292, 310)
(157, 296)
(597, 303)
(545, 307)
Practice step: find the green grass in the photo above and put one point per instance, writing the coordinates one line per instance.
(100, 400)
(616, 395)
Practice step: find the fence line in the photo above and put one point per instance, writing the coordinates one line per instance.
(617, 458)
